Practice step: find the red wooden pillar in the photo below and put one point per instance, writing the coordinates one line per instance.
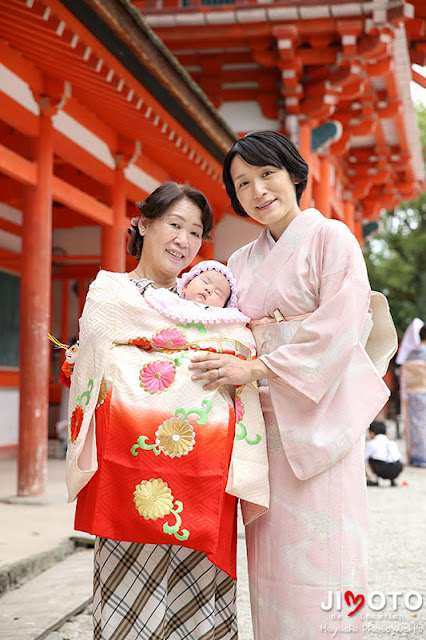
(35, 318)
(305, 152)
(65, 312)
(113, 248)
(349, 213)
(82, 292)
(207, 250)
(323, 189)
(65, 318)
(358, 229)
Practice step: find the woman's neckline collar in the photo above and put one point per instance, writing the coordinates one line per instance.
(293, 224)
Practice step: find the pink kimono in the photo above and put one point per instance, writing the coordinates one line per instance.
(313, 285)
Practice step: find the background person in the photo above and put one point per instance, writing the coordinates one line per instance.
(304, 281)
(413, 391)
(382, 456)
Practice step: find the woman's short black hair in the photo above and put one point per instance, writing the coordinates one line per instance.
(156, 205)
(261, 148)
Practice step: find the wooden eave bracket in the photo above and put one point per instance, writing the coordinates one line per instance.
(287, 38)
(127, 153)
(53, 96)
(400, 13)
(129, 26)
(419, 79)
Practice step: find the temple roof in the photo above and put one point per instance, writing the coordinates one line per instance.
(345, 62)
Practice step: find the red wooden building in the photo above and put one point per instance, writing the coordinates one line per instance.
(94, 114)
(334, 75)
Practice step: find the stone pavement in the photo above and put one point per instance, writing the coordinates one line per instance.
(35, 536)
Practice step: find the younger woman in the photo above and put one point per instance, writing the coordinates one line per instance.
(304, 280)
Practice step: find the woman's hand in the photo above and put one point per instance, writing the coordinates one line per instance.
(219, 369)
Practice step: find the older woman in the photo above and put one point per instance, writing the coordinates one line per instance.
(305, 284)
(149, 484)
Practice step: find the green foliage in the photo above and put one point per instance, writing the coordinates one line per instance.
(421, 118)
(396, 256)
(396, 261)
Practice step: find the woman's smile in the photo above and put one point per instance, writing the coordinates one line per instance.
(175, 254)
(265, 205)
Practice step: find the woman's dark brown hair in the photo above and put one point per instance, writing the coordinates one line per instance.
(156, 205)
(261, 148)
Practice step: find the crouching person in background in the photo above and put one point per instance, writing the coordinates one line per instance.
(382, 456)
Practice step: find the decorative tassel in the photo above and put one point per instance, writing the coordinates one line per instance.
(56, 342)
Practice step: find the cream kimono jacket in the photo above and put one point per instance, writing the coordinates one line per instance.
(140, 347)
(313, 285)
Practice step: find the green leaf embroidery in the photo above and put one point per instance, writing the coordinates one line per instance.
(141, 444)
(86, 394)
(174, 529)
(243, 435)
(202, 413)
(183, 354)
(198, 325)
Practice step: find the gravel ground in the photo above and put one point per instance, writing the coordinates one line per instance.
(397, 553)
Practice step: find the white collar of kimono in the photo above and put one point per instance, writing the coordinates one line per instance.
(296, 225)
(170, 305)
(291, 236)
(270, 238)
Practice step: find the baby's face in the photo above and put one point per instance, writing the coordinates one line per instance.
(210, 287)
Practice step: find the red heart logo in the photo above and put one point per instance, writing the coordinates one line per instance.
(351, 599)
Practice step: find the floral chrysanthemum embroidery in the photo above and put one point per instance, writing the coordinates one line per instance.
(76, 422)
(102, 392)
(157, 376)
(175, 437)
(239, 409)
(171, 338)
(153, 499)
(144, 343)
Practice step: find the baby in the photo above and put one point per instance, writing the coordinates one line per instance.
(210, 283)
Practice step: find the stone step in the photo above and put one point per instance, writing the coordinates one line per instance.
(15, 574)
(44, 603)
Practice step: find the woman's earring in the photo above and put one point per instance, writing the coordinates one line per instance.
(142, 231)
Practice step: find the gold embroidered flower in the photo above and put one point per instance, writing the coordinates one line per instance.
(175, 437)
(102, 392)
(153, 499)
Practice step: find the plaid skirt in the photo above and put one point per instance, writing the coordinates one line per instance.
(160, 592)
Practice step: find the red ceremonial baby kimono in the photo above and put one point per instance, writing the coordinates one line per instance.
(151, 453)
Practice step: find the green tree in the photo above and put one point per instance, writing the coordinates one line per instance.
(421, 117)
(396, 256)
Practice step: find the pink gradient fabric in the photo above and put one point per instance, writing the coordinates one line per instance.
(327, 391)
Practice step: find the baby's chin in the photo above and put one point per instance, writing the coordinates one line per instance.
(202, 300)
